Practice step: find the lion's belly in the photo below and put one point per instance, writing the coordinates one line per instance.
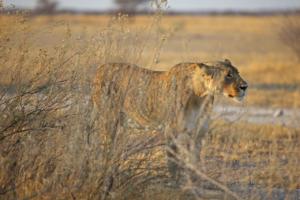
(148, 108)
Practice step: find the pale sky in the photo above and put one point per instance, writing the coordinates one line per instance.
(181, 5)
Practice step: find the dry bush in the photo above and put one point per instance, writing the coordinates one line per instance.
(290, 35)
(35, 96)
(53, 144)
(130, 160)
(186, 156)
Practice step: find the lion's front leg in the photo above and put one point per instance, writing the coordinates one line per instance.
(180, 150)
(177, 145)
(195, 125)
(172, 152)
(184, 139)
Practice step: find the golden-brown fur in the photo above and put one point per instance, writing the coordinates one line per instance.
(171, 100)
(150, 97)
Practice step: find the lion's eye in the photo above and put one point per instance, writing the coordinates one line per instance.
(229, 75)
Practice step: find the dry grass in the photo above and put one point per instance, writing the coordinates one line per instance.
(51, 147)
(256, 48)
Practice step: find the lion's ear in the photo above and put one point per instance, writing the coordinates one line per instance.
(227, 61)
(207, 70)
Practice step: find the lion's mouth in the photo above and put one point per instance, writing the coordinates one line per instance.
(237, 98)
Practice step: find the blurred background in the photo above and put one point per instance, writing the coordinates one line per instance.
(174, 5)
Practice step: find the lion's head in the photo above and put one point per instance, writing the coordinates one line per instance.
(221, 77)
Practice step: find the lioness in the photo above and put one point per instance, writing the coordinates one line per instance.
(168, 99)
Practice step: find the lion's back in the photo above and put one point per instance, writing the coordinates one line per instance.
(147, 96)
(119, 80)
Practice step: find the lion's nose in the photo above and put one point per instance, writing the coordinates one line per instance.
(244, 87)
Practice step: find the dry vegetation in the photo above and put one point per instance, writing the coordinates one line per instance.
(54, 146)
